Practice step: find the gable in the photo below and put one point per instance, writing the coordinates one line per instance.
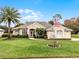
(35, 25)
(59, 28)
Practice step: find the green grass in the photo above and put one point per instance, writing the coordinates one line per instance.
(22, 47)
(75, 35)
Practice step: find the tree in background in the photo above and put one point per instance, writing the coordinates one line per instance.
(56, 18)
(9, 15)
(72, 23)
(51, 22)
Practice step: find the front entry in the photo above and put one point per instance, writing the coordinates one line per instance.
(32, 33)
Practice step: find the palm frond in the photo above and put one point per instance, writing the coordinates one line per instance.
(9, 14)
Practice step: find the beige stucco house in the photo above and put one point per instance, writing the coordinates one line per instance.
(51, 30)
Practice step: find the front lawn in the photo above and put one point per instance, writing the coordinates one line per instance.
(22, 47)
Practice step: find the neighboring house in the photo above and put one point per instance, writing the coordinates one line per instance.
(52, 31)
(1, 32)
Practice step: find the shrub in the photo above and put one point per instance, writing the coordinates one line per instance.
(20, 36)
(5, 35)
(41, 33)
(15, 36)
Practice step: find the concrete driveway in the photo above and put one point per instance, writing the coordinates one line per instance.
(75, 39)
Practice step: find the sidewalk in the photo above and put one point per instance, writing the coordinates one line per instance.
(54, 58)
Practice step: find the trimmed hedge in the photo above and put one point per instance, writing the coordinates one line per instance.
(5, 35)
(15, 36)
(20, 36)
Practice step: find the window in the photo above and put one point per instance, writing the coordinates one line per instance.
(59, 33)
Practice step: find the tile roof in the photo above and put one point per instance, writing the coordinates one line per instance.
(45, 24)
(42, 23)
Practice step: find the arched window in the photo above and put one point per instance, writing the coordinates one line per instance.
(59, 33)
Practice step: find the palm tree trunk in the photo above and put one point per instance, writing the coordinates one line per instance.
(9, 35)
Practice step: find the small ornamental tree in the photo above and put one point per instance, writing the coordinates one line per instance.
(40, 33)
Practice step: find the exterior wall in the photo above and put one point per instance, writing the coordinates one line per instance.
(17, 32)
(59, 34)
(1, 33)
(65, 34)
(24, 31)
(50, 35)
(20, 32)
(33, 26)
(28, 32)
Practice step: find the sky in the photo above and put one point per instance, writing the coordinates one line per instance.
(43, 10)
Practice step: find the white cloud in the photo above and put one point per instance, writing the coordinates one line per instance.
(28, 10)
(20, 10)
(31, 15)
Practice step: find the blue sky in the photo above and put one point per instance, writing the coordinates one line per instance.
(43, 10)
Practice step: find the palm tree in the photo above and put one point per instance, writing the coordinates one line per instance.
(9, 15)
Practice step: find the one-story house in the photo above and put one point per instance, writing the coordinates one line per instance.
(51, 30)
